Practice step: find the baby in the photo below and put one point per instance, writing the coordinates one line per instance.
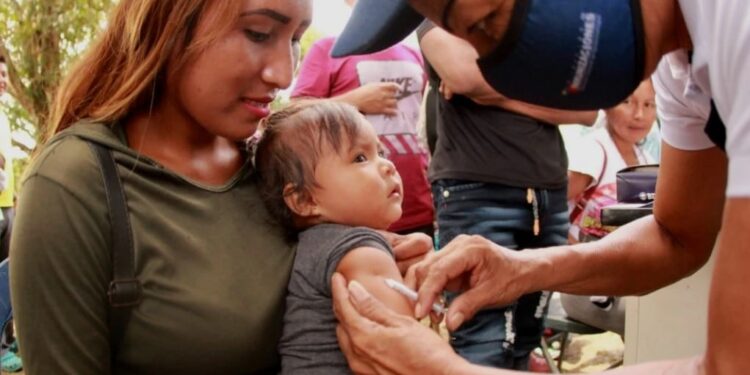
(323, 176)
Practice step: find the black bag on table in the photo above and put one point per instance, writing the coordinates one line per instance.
(637, 184)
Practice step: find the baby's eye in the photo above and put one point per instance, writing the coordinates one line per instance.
(381, 153)
(360, 158)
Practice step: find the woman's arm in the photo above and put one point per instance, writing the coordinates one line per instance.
(60, 266)
(577, 183)
(59, 274)
(376, 98)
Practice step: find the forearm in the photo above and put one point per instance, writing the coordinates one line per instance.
(635, 259)
(460, 73)
(653, 251)
(350, 97)
(548, 115)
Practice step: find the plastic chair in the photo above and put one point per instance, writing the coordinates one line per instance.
(559, 322)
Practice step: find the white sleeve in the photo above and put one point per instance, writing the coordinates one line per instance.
(586, 156)
(683, 120)
(730, 82)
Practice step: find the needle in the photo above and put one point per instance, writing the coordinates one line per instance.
(412, 295)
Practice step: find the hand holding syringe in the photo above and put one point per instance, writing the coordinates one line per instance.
(412, 295)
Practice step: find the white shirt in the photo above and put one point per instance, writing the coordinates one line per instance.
(720, 70)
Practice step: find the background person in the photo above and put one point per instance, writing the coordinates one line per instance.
(499, 170)
(704, 183)
(172, 89)
(6, 149)
(9, 360)
(596, 159)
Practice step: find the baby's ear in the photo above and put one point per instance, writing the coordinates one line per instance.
(301, 203)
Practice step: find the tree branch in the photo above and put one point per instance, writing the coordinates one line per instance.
(16, 87)
(22, 147)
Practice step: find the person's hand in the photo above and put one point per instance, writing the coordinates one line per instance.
(445, 91)
(376, 98)
(409, 249)
(375, 339)
(484, 272)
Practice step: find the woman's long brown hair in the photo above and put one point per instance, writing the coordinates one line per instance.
(125, 69)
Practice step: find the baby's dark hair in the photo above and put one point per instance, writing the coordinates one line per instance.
(291, 143)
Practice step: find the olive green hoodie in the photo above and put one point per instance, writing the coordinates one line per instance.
(213, 268)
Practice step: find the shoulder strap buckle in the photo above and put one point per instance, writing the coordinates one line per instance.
(124, 293)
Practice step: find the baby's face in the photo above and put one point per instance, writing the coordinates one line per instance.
(358, 186)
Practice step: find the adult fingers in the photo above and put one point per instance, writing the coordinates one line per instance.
(343, 308)
(435, 282)
(390, 104)
(391, 87)
(351, 324)
(410, 278)
(370, 307)
(446, 272)
(464, 307)
(357, 362)
(447, 93)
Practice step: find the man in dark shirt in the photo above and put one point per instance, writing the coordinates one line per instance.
(499, 170)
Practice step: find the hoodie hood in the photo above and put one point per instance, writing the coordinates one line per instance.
(113, 137)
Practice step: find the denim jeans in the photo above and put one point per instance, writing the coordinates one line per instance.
(505, 336)
(5, 227)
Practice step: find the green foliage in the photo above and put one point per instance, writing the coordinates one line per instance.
(310, 36)
(19, 166)
(39, 39)
(308, 39)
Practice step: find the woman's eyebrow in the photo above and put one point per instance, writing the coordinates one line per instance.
(268, 13)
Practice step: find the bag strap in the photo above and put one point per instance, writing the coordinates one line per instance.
(581, 202)
(124, 290)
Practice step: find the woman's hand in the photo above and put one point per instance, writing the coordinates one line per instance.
(485, 273)
(375, 98)
(445, 90)
(409, 248)
(375, 339)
